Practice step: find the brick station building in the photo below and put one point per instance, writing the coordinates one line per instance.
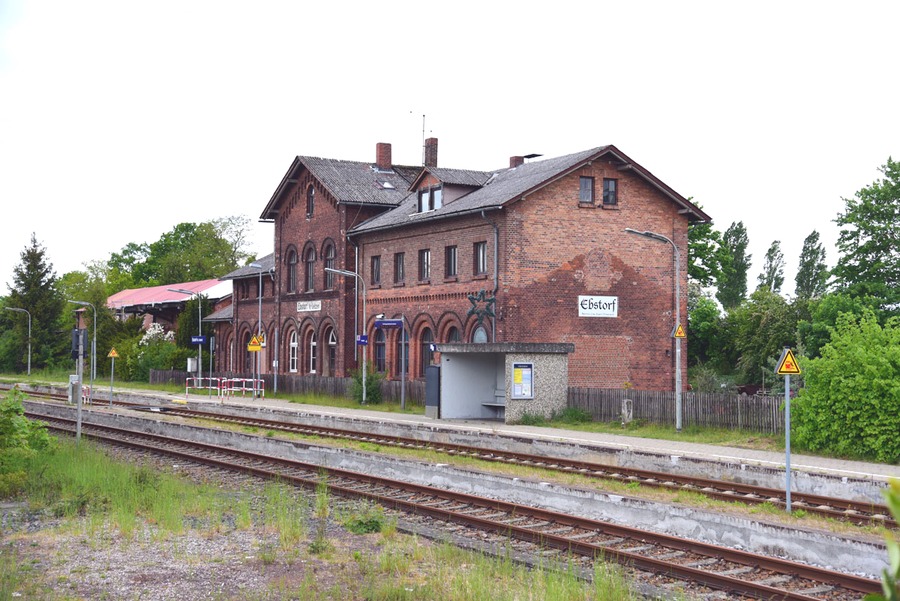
(534, 252)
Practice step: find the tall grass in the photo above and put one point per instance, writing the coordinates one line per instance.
(80, 480)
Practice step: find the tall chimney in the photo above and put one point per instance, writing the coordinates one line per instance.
(383, 156)
(516, 162)
(431, 152)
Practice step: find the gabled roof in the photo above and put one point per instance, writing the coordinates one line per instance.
(226, 313)
(161, 295)
(506, 186)
(267, 262)
(350, 182)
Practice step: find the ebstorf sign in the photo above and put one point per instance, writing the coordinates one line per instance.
(598, 306)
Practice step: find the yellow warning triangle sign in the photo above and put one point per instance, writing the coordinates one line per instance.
(113, 354)
(679, 332)
(787, 364)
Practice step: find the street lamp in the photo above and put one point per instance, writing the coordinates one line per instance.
(677, 278)
(353, 274)
(29, 332)
(93, 347)
(199, 330)
(258, 265)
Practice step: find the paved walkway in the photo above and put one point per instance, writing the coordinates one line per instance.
(836, 467)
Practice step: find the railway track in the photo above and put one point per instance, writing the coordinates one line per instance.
(720, 568)
(856, 512)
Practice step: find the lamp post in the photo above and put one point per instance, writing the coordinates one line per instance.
(199, 329)
(93, 347)
(677, 278)
(353, 274)
(29, 332)
(258, 266)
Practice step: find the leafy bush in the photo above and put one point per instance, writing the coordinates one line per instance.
(890, 577)
(573, 415)
(373, 386)
(532, 419)
(17, 431)
(20, 439)
(851, 403)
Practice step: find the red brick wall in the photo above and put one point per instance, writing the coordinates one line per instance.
(552, 249)
(556, 250)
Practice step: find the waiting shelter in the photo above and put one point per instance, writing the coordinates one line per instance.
(502, 381)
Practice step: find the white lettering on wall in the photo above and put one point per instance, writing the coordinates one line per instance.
(308, 306)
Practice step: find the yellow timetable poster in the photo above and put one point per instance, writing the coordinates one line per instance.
(523, 381)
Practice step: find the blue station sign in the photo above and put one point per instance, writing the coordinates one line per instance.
(388, 324)
(198, 339)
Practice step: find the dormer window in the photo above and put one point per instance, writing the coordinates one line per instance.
(430, 199)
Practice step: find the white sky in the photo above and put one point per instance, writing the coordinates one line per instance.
(121, 119)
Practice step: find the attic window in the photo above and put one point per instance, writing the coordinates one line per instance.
(386, 185)
(430, 199)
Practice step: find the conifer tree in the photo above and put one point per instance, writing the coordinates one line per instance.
(35, 289)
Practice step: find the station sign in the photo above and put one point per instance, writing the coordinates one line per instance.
(362, 340)
(388, 324)
(198, 339)
(598, 306)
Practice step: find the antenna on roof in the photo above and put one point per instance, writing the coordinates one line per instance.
(423, 138)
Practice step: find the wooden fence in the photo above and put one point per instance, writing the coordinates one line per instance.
(757, 413)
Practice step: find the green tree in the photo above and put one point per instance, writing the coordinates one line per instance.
(187, 326)
(869, 241)
(35, 289)
(732, 280)
(758, 330)
(704, 253)
(772, 276)
(850, 405)
(812, 274)
(704, 328)
(189, 252)
(814, 330)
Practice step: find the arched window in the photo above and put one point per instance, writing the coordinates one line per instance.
(310, 261)
(403, 353)
(453, 334)
(248, 356)
(332, 353)
(310, 201)
(380, 356)
(479, 336)
(294, 347)
(329, 264)
(427, 353)
(292, 271)
(313, 353)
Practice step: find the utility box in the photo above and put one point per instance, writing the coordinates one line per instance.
(192, 365)
(74, 388)
(433, 391)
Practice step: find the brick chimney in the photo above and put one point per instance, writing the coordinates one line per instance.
(431, 152)
(383, 156)
(516, 162)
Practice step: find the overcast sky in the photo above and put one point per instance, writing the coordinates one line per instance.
(121, 119)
